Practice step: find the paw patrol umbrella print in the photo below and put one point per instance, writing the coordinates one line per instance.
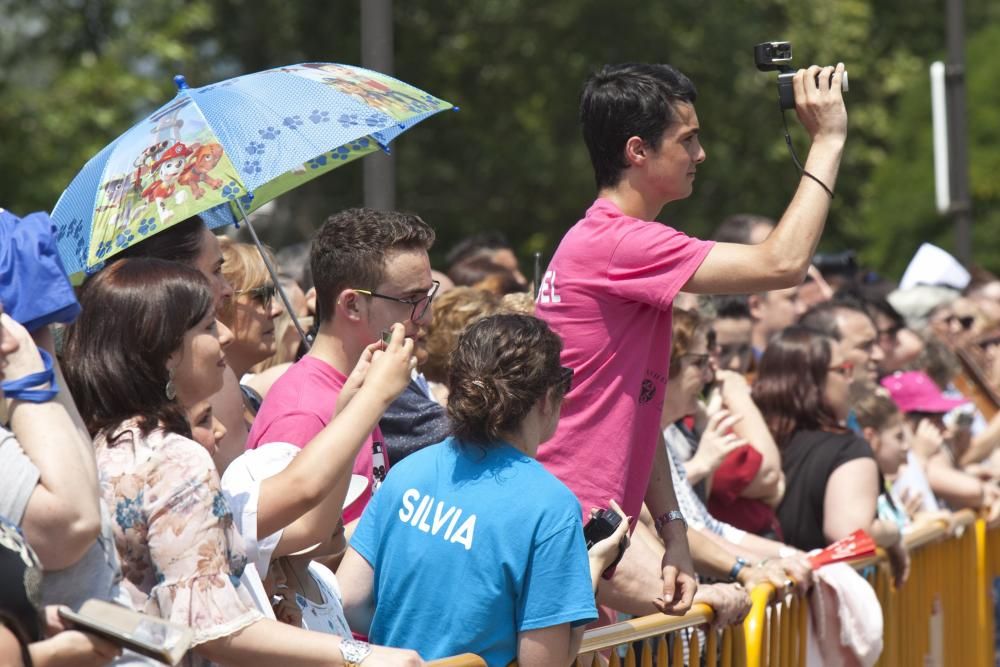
(222, 150)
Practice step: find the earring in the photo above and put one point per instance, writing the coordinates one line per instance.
(170, 390)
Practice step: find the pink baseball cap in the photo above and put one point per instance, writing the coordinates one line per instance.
(914, 391)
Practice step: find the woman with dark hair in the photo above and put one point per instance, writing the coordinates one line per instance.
(473, 534)
(832, 477)
(191, 243)
(147, 336)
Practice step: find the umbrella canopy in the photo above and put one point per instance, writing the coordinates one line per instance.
(224, 149)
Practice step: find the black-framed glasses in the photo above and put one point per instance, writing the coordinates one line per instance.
(264, 293)
(565, 379)
(419, 305)
(729, 351)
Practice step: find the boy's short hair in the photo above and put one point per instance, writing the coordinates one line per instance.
(349, 250)
(629, 100)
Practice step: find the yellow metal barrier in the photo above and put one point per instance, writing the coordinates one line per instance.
(944, 615)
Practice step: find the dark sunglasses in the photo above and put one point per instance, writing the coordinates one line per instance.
(264, 294)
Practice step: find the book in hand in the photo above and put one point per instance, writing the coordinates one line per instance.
(858, 544)
(144, 634)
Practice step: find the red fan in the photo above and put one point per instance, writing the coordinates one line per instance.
(856, 545)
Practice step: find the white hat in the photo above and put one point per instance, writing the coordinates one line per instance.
(241, 485)
(933, 266)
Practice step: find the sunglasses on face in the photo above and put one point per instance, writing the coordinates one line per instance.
(264, 294)
(964, 321)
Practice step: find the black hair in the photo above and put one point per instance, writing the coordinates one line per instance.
(629, 100)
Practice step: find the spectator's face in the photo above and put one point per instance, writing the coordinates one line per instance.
(407, 276)
(890, 445)
(209, 263)
(859, 343)
(505, 257)
(696, 371)
(206, 429)
(777, 309)
(733, 344)
(838, 379)
(670, 167)
(199, 363)
(253, 325)
(899, 345)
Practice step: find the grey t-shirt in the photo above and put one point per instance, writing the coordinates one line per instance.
(96, 575)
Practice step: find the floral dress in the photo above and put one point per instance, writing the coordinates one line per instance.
(180, 554)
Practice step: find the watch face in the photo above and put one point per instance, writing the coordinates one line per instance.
(353, 650)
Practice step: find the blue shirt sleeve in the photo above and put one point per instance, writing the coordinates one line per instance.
(557, 587)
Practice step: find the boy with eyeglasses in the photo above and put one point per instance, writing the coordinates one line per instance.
(371, 270)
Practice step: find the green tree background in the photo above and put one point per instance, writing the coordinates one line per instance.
(75, 74)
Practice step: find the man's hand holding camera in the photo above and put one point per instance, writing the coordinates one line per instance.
(819, 102)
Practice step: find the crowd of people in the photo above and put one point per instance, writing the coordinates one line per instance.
(412, 479)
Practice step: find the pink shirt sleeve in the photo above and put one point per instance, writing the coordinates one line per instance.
(653, 262)
(297, 428)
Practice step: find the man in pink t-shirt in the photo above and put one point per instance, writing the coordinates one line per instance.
(610, 285)
(371, 270)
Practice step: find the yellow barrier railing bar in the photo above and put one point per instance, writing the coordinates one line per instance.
(943, 615)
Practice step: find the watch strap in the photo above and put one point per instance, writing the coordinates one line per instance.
(667, 517)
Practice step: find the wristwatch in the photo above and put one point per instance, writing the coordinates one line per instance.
(354, 652)
(737, 566)
(664, 519)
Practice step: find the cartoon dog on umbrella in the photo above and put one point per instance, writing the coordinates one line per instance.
(166, 172)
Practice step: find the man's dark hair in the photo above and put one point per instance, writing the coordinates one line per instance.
(731, 307)
(475, 245)
(738, 228)
(822, 317)
(630, 100)
(349, 250)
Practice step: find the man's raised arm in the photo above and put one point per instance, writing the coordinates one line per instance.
(783, 258)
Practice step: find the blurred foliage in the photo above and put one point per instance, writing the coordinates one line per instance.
(76, 73)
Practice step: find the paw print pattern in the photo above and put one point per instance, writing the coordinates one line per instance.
(103, 248)
(124, 239)
(318, 116)
(73, 230)
(374, 120)
(348, 120)
(255, 148)
(231, 190)
(341, 153)
(317, 162)
(147, 226)
(269, 132)
(292, 122)
(252, 167)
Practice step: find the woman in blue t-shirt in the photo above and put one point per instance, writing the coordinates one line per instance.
(470, 545)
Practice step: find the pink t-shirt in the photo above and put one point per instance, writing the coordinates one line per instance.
(297, 408)
(608, 293)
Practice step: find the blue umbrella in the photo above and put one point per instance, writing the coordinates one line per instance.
(224, 149)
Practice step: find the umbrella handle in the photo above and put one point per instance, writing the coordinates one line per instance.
(274, 276)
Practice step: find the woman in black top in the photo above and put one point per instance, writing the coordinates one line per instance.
(832, 479)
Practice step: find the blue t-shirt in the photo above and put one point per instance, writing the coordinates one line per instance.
(469, 548)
